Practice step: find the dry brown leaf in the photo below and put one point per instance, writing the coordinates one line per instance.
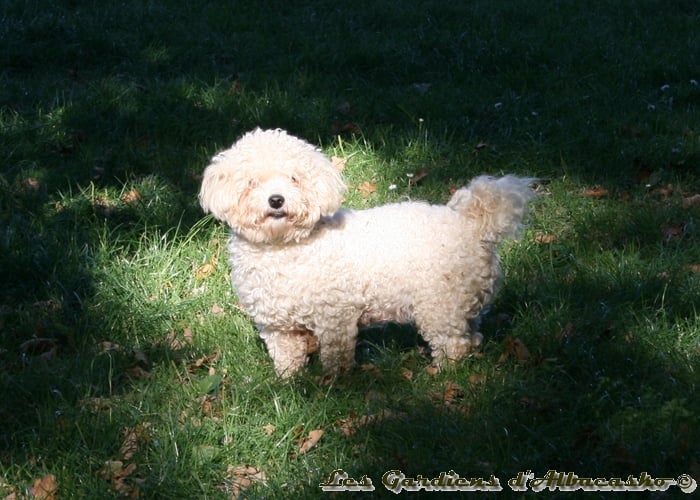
(117, 474)
(206, 360)
(173, 341)
(370, 368)
(133, 437)
(406, 373)
(521, 351)
(204, 271)
(595, 192)
(45, 488)
(31, 184)
(691, 201)
(432, 369)
(131, 196)
(310, 441)
(672, 231)
(479, 146)
(239, 478)
(95, 404)
(137, 372)
(477, 379)
(514, 347)
(367, 188)
(217, 310)
(452, 392)
(107, 346)
(350, 425)
(339, 162)
(269, 429)
(417, 176)
(545, 238)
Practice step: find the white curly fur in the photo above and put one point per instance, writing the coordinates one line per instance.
(309, 273)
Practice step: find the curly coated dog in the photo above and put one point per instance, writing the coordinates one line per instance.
(310, 273)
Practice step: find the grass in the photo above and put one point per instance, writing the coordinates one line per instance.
(126, 368)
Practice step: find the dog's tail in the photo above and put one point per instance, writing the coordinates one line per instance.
(497, 206)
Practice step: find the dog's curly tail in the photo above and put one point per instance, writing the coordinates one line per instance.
(497, 206)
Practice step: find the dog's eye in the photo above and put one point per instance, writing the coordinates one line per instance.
(295, 179)
(252, 183)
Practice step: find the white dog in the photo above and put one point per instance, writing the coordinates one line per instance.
(309, 274)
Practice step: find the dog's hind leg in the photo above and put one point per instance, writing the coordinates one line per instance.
(450, 336)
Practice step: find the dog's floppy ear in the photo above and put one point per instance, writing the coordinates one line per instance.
(220, 190)
(328, 184)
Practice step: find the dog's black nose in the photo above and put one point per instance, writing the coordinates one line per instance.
(276, 201)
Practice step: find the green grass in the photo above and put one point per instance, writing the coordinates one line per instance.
(120, 337)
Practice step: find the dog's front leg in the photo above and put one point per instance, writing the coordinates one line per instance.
(337, 348)
(289, 350)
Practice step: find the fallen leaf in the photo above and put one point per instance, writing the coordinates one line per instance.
(339, 162)
(137, 372)
(200, 362)
(672, 231)
(452, 392)
(691, 201)
(132, 439)
(310, 441)
(521, 351)
(350, 425)
(131, 196)
(595, 192)
(118, 475)
(107, 346)
(370, 368)
(269, 429)
(406, 373)
(95, 404)
(432, 369)
(477, 379)
(172, 340)
(239, 478)
(45, 488)
(515, 348)
(545, 238)
(367, 188)
(31, 184)
(205, 271)
(417, 176)
(479, 147)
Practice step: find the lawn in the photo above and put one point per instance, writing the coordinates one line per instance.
(127, 368)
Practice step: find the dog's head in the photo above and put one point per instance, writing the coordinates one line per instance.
(271, 187)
